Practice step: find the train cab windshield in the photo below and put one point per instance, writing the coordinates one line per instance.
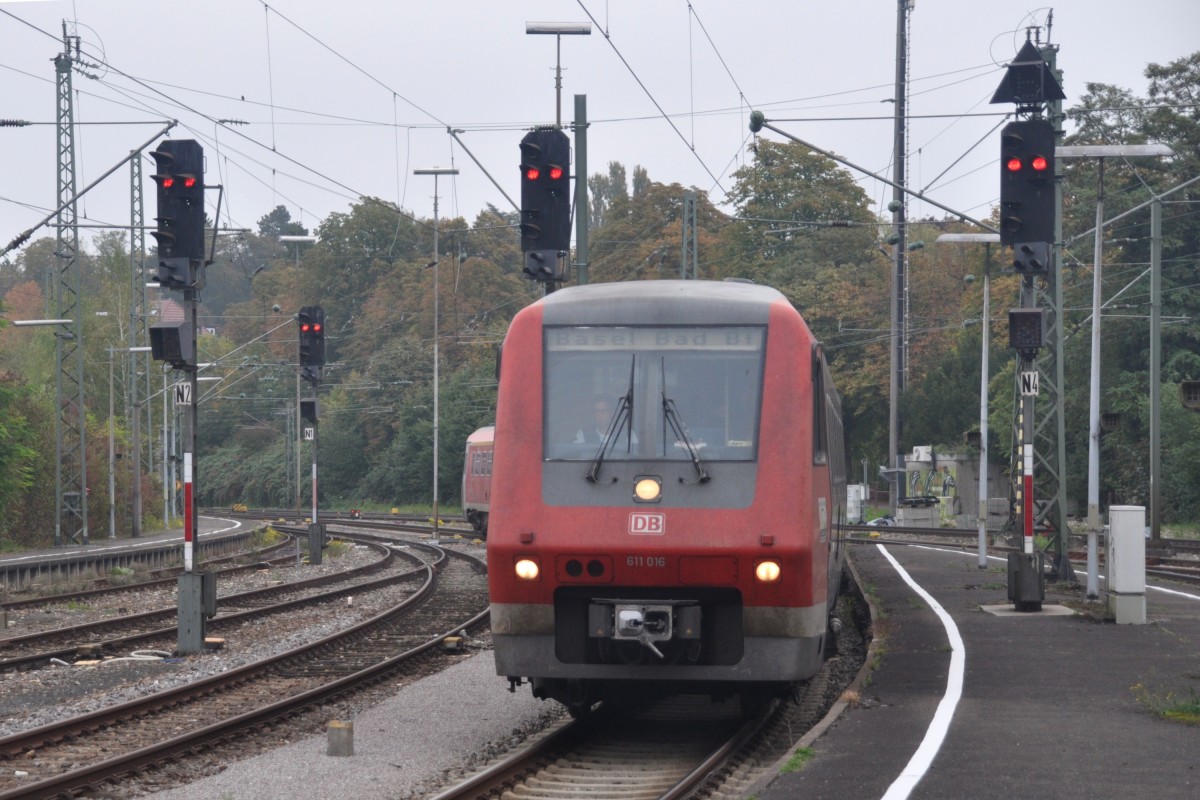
(652, 393)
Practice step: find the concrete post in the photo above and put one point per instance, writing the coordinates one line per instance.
(340, 738)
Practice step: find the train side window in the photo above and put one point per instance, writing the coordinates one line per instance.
(487, 466)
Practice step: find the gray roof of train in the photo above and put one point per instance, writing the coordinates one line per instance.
(660, 303)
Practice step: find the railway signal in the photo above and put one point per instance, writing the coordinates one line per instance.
(311, 323)
(1027, 193)
(545, 202)
(179, 231)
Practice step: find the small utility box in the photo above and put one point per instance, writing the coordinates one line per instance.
(1126, 557)
(1026, 581)
(197, 602)
(316, 542)
(856, 503)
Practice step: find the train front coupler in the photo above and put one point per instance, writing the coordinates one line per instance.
(644, 622)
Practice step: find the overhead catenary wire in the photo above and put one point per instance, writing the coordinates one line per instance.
(316, 183)
(646, 90)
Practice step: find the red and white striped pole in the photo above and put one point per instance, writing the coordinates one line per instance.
(1027, 499)
(189, 532)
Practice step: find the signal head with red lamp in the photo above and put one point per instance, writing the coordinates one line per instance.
(311, 321)
(1027, 207)
(179, 232)
(545, 201)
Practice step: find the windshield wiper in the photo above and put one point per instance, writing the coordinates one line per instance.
(622, 416)
(681, 432)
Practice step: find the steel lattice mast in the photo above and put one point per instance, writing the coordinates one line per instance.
(138, 382)
(70, 435)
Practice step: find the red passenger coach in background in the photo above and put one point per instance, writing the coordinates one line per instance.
(477, 478)
(669, 492)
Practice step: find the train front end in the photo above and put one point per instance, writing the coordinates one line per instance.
(661, 511)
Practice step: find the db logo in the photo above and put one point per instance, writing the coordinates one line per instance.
(645, 523)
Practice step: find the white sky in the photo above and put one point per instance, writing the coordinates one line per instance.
(363, 91)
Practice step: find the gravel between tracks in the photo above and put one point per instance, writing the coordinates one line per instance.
(402, 746)
(39, 697)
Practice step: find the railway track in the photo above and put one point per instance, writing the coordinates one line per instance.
(663, 752)
(94, 752)
(280, 553)
(669, 749)
(155, 629)
(684, 746)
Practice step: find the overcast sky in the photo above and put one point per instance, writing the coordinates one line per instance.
(342, 99)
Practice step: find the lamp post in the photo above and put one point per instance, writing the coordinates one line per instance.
(988, 239)
(435, 172)
(298, 240)
(1100, 152)
(559, 29)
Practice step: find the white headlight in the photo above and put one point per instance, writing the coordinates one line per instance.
(526, 569)
(767, 571)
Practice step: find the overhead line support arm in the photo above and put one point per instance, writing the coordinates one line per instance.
(24, 237)
(757, 122)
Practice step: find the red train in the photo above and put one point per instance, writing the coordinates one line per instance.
(477, 478)
(669, 493)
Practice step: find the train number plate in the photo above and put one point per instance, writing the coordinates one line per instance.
(647, 523)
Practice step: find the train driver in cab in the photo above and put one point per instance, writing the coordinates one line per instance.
(594, 430)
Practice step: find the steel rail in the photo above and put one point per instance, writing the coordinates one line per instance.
(142, 758)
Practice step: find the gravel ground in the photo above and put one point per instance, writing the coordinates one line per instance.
(402, 747)
(135, 600)
(432, 732)
(39, 697)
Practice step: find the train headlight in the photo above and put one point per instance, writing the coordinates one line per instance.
(526, 569)
(647, 489)
(767, 571)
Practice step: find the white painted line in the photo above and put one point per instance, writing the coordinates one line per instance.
(1175, 592)
(233, 524)
(919, 764)
(131, 545)
(1164, 590)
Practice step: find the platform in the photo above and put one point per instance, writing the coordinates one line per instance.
(964, 703)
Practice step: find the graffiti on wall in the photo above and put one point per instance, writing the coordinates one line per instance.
(935, 486)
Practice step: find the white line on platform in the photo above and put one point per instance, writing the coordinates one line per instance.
(128, 545)
(919, 764)
(1164, 590)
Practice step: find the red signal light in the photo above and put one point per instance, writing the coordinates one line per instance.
(168, 182)
(555, 173)
(1039, 164)
(1014, 165)
(316, 327)
(189, 182)
(532, 173)
(304, 327)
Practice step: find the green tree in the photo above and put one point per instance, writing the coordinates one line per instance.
(279, 223)
(17, 454)
(642, 238)
(607, 192)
